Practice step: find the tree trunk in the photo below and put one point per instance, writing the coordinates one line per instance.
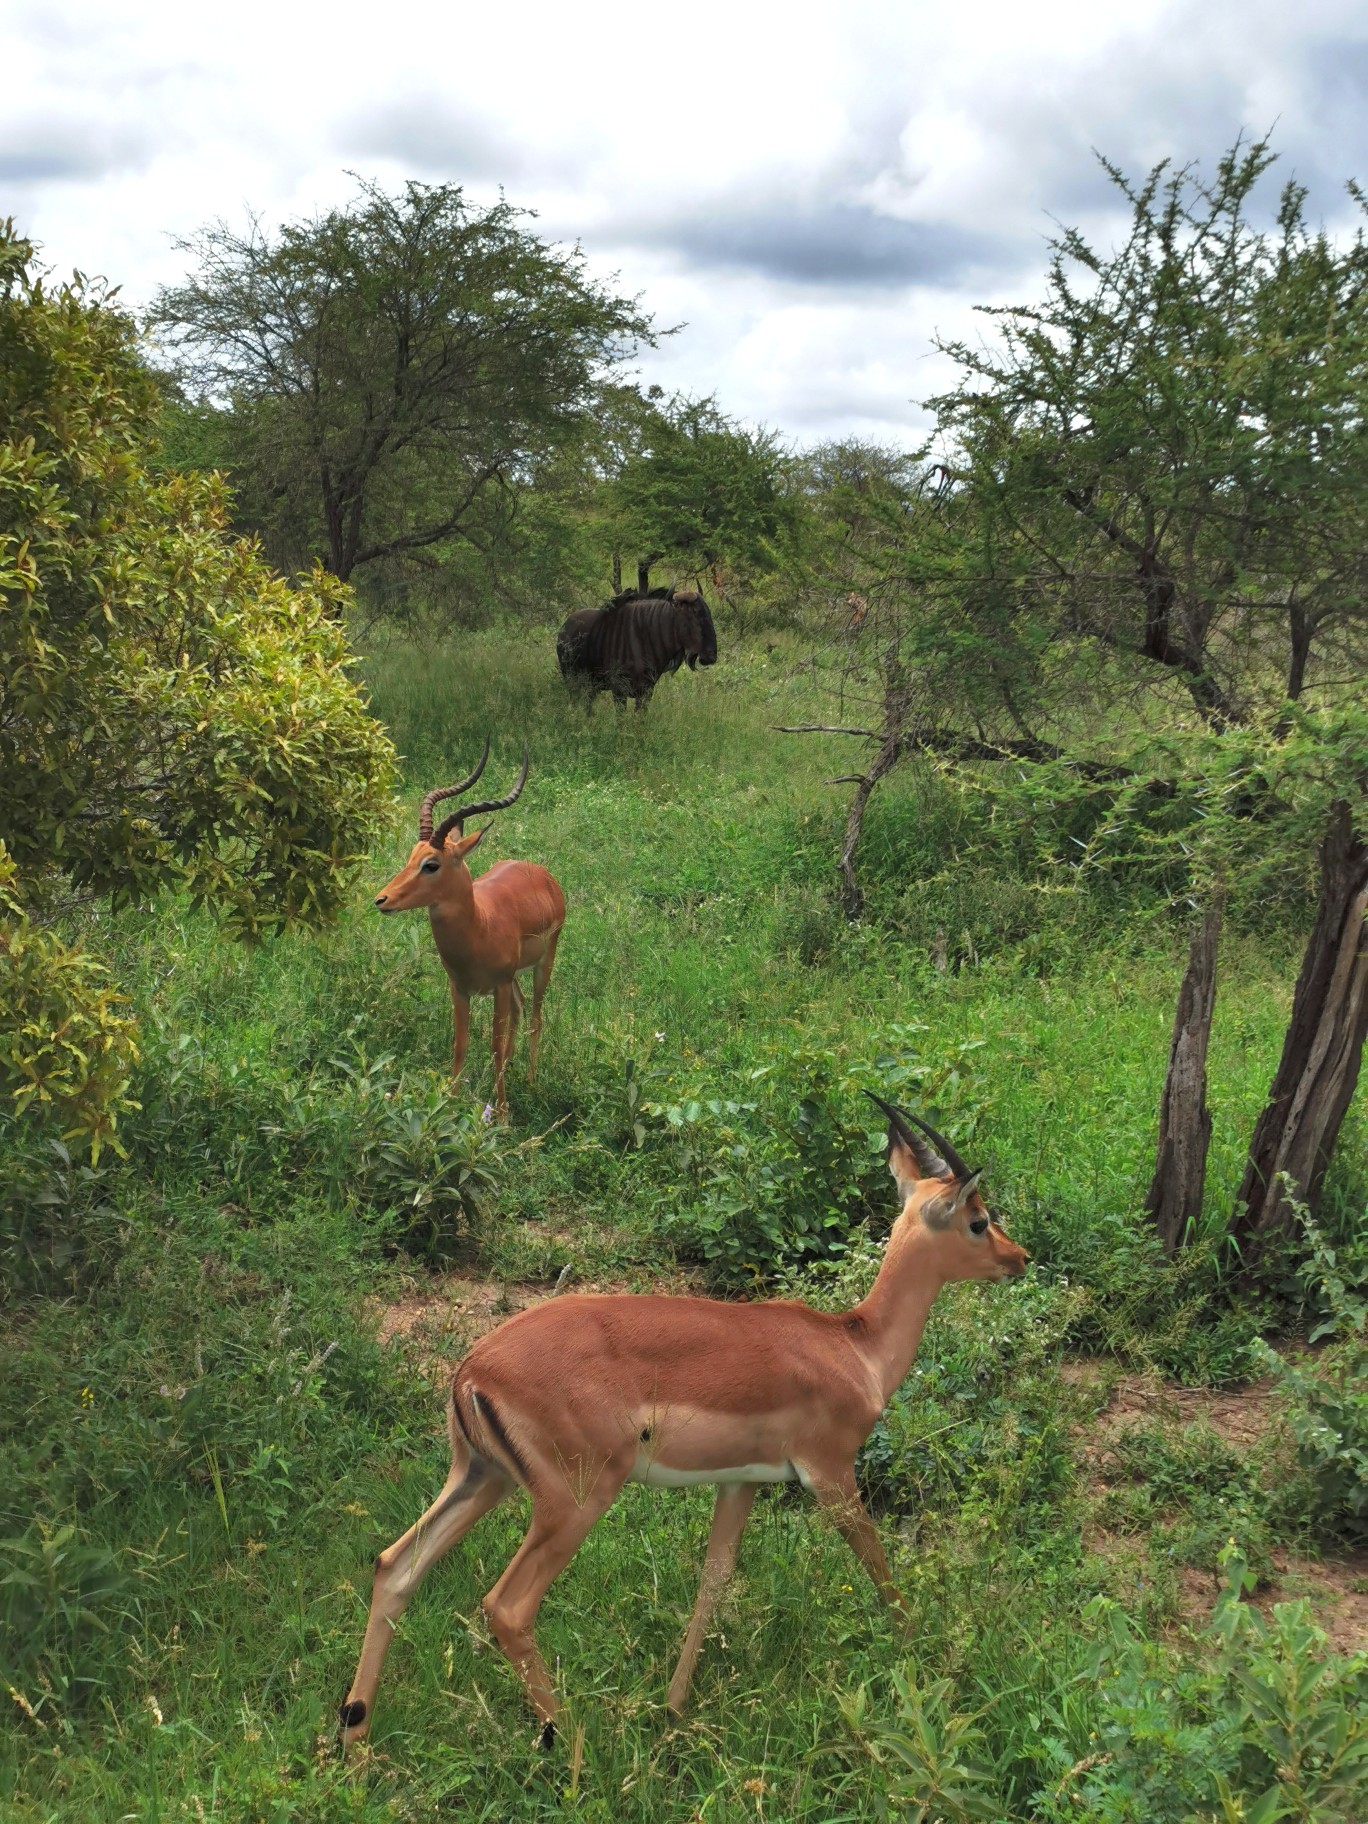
(1315, 1080)
(852, 900)
(1174, 1202)
(617, 573)
(643, 577)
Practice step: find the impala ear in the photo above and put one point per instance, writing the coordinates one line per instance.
(466, 845)
(938, 1212)
(966, 1190)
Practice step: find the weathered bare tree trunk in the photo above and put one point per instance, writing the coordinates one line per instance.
(1315, 1079)
(1174, 1202)
(852, 899)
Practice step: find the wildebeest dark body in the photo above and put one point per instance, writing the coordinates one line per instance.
(631, 642)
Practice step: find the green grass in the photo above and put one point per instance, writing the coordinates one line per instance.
(194, 1388)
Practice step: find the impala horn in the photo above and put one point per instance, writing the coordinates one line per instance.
(446, 791)
(900, 1117)
(456, 821)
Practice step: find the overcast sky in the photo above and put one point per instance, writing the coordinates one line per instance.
(814, 190)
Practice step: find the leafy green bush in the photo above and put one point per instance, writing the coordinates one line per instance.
(67, 1046)
(930, 1751)
(408, 1150)
(1327, 1395)
(425, 1159)
(58, 1586)
(171, 712)
(790, 1175)
(1262, 1725)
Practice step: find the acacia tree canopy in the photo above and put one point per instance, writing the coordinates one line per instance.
(171, 712)
(393, 367)
(1167, 459)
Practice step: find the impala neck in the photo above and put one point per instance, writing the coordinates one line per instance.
(457, 918)
(899, 1302)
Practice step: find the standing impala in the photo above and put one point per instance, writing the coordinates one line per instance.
(574, 1398)
(486, 930)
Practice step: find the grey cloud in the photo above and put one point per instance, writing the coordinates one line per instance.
(68, 151)
(1194, 112)
(425, 133)
(833, 245)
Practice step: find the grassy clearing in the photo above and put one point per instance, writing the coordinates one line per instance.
(204, 1444)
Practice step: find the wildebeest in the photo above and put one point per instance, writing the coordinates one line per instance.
(632, 641)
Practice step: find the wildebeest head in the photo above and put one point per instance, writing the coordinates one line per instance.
(700, 636)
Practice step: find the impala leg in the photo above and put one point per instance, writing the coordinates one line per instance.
(559, 1527)
(840, 1502)
(471, 1490)
(460, 1029)
(541, 975)
(734, 1503)
(507, 1007)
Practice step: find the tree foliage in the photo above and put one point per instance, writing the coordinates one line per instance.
(1168, 458)
(171, 712)
(385, 376)
(67, 1042)
(694, 487)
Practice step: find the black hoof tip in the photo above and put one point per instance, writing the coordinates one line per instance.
(547, 1739)
(350, 1715)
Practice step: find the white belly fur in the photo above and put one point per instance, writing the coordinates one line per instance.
(656, 1474)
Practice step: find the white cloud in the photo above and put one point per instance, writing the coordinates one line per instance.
(815, 190)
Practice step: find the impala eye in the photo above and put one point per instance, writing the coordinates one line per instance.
(979, 1226)
(429, 867)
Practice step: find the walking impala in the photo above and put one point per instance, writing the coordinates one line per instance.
(486, 930)
(574, 1398)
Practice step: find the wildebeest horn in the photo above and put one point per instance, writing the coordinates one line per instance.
(446, 791)
(457, 818)
(900, 1117)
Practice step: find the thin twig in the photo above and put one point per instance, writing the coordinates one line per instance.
(822, 728)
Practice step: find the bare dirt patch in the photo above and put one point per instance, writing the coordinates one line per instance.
(1247, 1419)
(1241, 1416)
(1337, 1589)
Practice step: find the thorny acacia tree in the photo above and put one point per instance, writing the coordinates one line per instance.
(1148, 530)
(171, 712)
(393, 368)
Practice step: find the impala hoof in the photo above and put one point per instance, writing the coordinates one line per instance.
(546, 1741)
(352, 1714)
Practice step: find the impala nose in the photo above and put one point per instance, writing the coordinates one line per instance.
(380, 899)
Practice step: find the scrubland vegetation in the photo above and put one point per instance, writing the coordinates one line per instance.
(230, 1171)
(206, 1444)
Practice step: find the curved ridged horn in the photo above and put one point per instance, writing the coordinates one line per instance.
(457, 818)
(900, 1117)
(446, 791)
